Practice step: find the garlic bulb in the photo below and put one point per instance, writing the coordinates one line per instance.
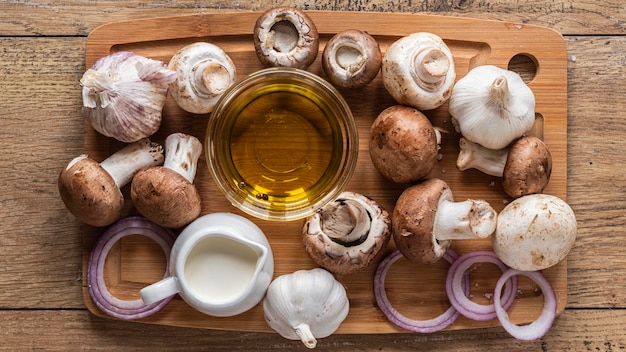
(492, 106)
(124, 94)
(418, 70)
(305, 305)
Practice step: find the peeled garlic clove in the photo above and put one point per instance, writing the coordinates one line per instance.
(204, 71)
(492, 106)
(124, 94)
(418, 70)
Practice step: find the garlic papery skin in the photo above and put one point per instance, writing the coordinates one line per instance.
(203, 72)
(124, 94)
(306, 305)
(492, 106)
(418, 70)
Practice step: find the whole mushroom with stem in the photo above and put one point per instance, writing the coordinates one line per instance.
(418, 70)
(285, 37)
(534, 232)
(203, 72)
(525, 167)
(426, 219)
(403, 144)
(166, 194)
(91, 190)
(492, 106)
(348, 234)
(351, 59)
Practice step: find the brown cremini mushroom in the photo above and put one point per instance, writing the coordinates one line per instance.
(525, 166)
(165, 194)
(91, 190)
(348, 234)
(403, 144)
(286, 37)
(351, 59)
(426, 219)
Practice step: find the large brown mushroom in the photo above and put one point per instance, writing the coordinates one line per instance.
(403, 144)
(525, 166)
(287, 37)
(166, 194)
(351, 59)
(348, 234)
(426, 219)
(91, 190)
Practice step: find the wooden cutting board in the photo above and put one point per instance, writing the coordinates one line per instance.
(537, 53)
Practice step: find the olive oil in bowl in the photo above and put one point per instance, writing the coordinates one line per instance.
(281, 143)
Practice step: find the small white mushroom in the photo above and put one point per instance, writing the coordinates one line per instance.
(525, 166)
(534, 232)
(418, 70)
(203, 72)
(286, 37)
(351, 59)
(348, 234)
(426, 219)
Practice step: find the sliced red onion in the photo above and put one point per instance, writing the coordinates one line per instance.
(460, 300)
(537, 328)
(422, 326)
(124, 309)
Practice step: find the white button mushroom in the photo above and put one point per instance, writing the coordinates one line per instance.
(351, 59)
(525, 166)
(492, 106)
(166, 194)
(418, 70)
(403, 144)
(426, 219)
(348, 234)
(286, 36)
(203, 72)
(91, 191)
(534, 232)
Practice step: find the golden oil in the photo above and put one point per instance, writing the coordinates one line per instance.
(282, 146)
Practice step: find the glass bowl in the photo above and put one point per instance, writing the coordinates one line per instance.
(281, 143)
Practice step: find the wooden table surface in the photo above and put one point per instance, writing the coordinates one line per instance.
(41, 128)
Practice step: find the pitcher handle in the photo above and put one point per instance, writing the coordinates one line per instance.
(160, 290)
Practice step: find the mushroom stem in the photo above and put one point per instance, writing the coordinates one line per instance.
(464, 220)
(475, 156)
(499, 93)
(123, 164)
(430, 67)
(210, 78)
(181, 154)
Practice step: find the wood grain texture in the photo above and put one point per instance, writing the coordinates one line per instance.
(499, 42)
(41, 129)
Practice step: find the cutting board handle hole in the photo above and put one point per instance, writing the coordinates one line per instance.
(525, 65)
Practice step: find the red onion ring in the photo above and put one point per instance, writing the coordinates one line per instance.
(537, 328)
(124, 309)
(422, 326)
(460, 301)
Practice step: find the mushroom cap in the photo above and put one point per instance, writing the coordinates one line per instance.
(413, 220)
(203, 72)
(287, 37)
(346, 258)
(165, 197)
(528, 167)
(403, 144)
(534, 232)
(418, 70)
(351, 59)
(90, 193)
